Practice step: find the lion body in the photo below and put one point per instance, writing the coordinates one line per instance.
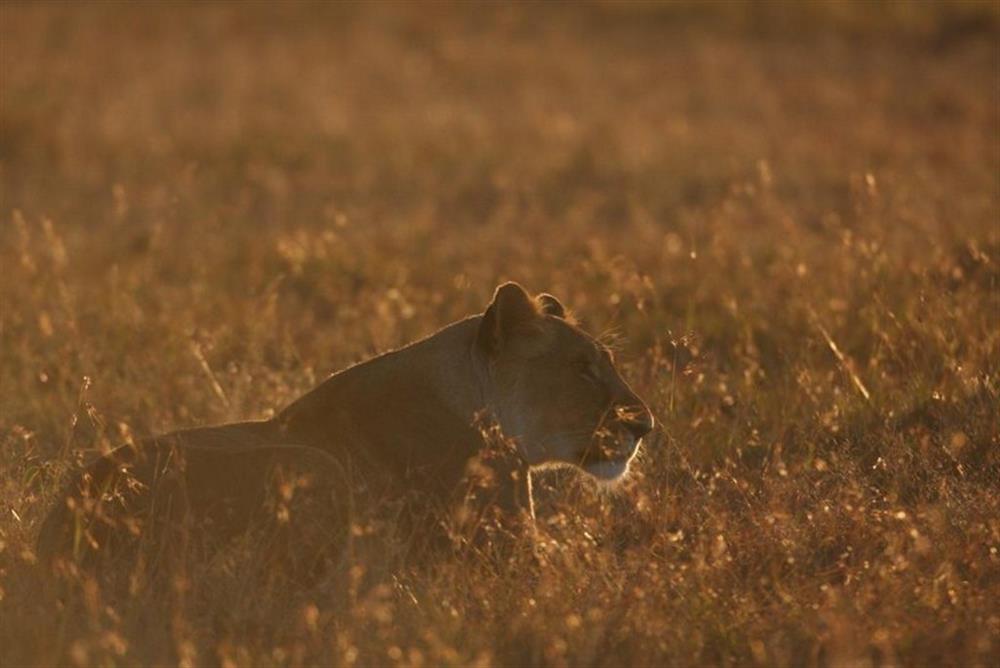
(405, 423)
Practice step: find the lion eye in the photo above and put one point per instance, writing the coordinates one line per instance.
(586, 369)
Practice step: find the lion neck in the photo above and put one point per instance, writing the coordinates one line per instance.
(410, 409)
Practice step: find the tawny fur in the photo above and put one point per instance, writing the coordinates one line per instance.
(408, 422)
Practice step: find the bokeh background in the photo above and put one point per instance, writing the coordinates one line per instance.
(783, 215)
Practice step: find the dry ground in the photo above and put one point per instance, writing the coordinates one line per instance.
(786, 216)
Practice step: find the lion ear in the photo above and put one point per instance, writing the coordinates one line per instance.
(550, 305)
(511, 311)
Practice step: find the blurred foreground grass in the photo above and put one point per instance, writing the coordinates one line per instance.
(785, 213)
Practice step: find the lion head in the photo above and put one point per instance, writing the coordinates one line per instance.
(555, 390)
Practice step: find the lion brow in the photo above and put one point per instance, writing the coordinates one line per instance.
(603, 349)
(610, 339)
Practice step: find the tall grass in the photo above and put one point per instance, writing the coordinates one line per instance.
(784, 215)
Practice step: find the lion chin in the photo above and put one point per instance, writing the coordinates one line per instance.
(613, 469)
(609, 471)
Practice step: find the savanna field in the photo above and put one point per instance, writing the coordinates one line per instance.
(783, 217)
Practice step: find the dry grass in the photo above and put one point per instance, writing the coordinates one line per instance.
(785, 214)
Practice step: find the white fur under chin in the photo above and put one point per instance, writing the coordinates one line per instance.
(612, 471)
(609, 471)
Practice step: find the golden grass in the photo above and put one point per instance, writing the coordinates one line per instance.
(786, 215)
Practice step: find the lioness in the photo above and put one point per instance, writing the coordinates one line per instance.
(406, 421)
